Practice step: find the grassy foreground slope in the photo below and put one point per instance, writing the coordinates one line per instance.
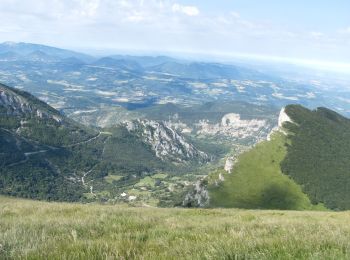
(42, 230)
(257, 181)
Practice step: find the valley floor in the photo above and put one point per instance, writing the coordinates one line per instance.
(42, 230)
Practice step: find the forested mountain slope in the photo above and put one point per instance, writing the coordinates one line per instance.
(319, 155)
(45, 155)
(306, 160)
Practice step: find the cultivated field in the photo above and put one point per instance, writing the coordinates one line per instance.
(41, 230)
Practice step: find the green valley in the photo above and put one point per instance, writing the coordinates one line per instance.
(152, 161)
(45, 155)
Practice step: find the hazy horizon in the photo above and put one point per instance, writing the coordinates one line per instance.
(312, 32)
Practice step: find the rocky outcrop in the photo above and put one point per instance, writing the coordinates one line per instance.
(29, 117)
(282, 118)
(233, 126)
(167, 143)
(198, 196)
(229, 164)
(15, 104)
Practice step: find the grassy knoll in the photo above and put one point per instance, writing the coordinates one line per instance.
(111, 178)
(257, 181)
(42, 230)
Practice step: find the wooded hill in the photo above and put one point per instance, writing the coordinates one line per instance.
(306, 163)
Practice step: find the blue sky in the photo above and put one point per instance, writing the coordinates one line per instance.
(310, 30)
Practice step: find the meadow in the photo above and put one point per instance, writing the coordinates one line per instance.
(258, 182)
(43, 230)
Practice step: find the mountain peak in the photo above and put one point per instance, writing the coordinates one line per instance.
(18, 102)
(30, 117)
(10, 43)
(23, 48)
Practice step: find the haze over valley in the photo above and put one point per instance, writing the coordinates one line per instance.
(187, 117)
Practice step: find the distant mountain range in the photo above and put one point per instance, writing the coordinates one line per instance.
(11, 51)
(69, 80)
(25, 50)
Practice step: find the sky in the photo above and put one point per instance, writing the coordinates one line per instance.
(314, 31)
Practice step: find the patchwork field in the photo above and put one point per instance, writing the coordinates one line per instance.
(42, 230)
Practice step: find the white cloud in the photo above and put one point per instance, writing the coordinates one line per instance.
(89, 8)
(235, 15)
(185, 9)
(317, 34)
(345, 30)
(162, 25)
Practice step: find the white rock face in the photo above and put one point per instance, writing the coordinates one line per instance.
(179, 126)
(230, 119)
(232, 125)
(283, 117)
(165, 141)
(131, 198)
(229, 164)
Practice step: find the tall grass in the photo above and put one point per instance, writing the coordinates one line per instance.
(41, 230)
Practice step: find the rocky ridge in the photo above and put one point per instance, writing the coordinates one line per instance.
(16, 104)
(167, 143)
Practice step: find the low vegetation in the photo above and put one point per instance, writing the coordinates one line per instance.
(257, 181)
(42, 230)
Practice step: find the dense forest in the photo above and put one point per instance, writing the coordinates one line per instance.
(318, 157)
